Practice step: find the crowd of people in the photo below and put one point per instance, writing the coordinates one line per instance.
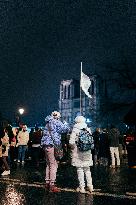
(17, 144)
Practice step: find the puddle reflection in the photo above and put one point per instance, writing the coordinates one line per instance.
(12, 197)
(84, 199)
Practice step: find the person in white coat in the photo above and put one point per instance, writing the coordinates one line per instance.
(81, 160)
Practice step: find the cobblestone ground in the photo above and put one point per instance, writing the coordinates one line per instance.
(25, 185)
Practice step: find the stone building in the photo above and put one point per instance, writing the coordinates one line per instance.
(109, 104)
(69, 101)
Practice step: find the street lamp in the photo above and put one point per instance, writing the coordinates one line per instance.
(18, 117)
(88, 120)
(21, 111)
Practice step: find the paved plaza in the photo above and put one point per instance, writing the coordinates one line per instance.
(25, 185)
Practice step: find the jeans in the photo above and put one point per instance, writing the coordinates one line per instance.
(11, 154)
(4, 159)
(36, 155)
(51, 165)
(95, 156)
(21, 152)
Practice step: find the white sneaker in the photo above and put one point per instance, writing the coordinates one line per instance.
(81, 190)
(18, 161)
(23, 162)
(5, 173)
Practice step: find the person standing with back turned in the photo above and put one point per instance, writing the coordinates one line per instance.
(51, 136)
(114, 135)
(81, 160)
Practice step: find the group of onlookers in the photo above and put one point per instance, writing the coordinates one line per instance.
(111, 145)
(13, 143)
(106, 143)
(16, 142)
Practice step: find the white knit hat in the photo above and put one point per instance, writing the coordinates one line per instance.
(80, 119)
(56, 114)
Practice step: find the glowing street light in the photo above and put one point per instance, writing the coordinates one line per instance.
(21, 111)
(88, 120)
(19, 116)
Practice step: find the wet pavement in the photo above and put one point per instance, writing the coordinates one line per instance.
(25, 185)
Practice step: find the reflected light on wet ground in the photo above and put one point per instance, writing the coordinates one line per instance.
(84, 199)
(26, 186)
(12, 197)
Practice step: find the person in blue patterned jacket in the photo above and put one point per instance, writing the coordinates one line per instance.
(52, 135)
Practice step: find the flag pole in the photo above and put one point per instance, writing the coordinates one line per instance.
(80, 92)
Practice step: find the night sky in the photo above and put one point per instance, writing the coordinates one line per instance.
(43, 42)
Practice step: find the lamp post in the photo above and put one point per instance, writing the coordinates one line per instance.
(21, 111)
(18, 116)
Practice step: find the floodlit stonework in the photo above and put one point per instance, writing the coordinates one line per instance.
(109, 104)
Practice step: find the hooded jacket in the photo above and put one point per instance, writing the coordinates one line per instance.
(52, 132)
(79, 159)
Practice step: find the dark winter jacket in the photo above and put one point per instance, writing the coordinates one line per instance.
(36, 139)
(114, 135)
(104, 145)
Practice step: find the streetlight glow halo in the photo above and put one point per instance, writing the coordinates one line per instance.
(21, 111)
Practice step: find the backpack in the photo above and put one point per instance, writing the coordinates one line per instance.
(85, 141)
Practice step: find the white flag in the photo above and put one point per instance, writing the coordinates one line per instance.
(85, 84)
